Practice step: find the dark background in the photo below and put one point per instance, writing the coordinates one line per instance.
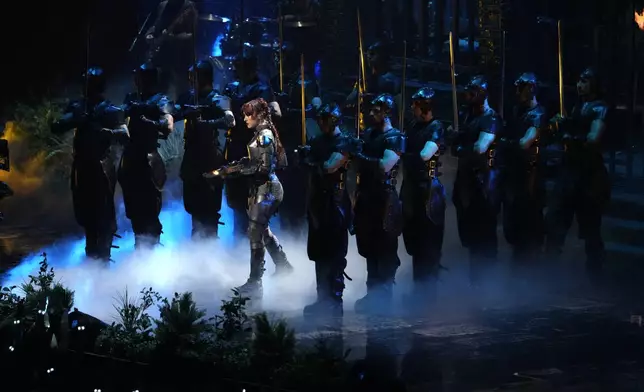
(45, 46)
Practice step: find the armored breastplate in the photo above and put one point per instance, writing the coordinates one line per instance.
(322, 148)
(258, 154)
(195, 137)
(471, 128)
(374, 147)
(418, 135)
(143, 137)
(89, 140)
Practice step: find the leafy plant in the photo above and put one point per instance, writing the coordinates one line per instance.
(10, 305)
(42, 293)
(131, 336)
(273, 347)
(32, 123)
(230, 349)
(182, 329)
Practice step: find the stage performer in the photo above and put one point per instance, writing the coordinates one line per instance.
(523, 194)
(476, 194)
(99, 125)
(266, 155)
(142, 173)
(582, 187)
(246, 88)
(206, 115)
(423, 197)
(329, 210)
(378, 210)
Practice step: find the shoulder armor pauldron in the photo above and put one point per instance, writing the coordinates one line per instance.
(265, 137)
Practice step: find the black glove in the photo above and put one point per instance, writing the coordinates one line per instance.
(355, 146)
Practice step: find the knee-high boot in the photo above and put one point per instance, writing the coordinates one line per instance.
(253, 287)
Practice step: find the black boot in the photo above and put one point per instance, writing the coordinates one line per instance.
(282, 265)
(379, 300)
(253, 287)
(330, 288)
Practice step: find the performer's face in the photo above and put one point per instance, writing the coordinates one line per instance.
(377, 116)
(524, 92)
(326, 124)
(416, 108)
(251, 121)
(583, 87)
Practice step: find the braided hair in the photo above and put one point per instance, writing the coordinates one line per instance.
(260, 109)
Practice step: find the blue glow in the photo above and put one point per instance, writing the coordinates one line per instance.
(216, 46)
(318, 70)
(177, 229)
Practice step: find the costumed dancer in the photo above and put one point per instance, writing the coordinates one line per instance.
(423, 196)
(476, 193)
(246, 88)
(206, 114)
(142, 172)
(293, 210)
(266, 155)
(582, 186)
(523, 195)
(329, 210)
(378, 210)
(99, 125)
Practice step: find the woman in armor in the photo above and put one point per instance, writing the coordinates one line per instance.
(266, 155)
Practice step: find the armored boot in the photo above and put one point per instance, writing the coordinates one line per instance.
(282, 265)
(253, 288)
(379, 293)
(425, 290)
(379, 299)
(330, 287)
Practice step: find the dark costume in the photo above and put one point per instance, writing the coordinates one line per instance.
(170, 42)
(266, 155)
(293, 210)
(476, 193)
(582, 186)
(98, 125)
(329, 212)
(205, 116)
(142, 173)
(245, 89)
(423, 198)
(378, 210)
(522, 186)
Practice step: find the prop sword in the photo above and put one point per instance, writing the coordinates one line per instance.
(453, 72)
(403, 87)
(136, 39)
(502, 104)
(559, 56)
(303, 99)
(281, 41)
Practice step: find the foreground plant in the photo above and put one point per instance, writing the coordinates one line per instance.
(182, 330)
(131, 335)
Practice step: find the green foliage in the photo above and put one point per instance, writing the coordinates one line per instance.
(42, 293)
(10, 305)
(131, 336)
(34, 123)
(182, 329)
(33, 127)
